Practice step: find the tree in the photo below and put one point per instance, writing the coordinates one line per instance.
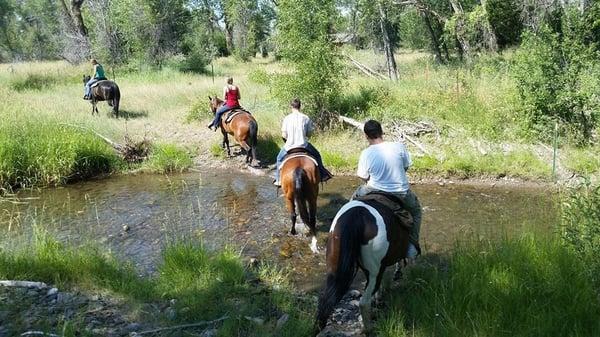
(76, 46)
(387, 43)
(303, 39)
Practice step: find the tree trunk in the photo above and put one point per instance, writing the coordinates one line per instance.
(77, 18)
(387, 45)
(461, 30)
(434, 39)
(228, 36)
(490, 36)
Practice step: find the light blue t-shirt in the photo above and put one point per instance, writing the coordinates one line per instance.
(385, 165)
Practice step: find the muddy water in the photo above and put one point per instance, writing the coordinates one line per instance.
(135, 216)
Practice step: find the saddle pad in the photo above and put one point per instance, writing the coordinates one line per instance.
(393, 203)
(299, 155)
(232, 114)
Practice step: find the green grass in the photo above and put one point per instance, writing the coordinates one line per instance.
(43, 152)
(168, 158)
(514, 287)
(583, 161)
(205, 285)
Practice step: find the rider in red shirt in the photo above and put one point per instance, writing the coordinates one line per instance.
(231, 93)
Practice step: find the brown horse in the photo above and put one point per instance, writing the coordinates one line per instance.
(104, 90)
(366, 235)
(243, 127)
(300, 184)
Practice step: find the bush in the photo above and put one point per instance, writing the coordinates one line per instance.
(559, 81)
(33, 82)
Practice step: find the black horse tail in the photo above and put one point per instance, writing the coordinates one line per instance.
(299, 181)
(352, 224)
(115, 100)
(253, 137)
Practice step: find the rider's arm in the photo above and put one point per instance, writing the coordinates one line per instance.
(238, 91)
(225, 92)
(363, 168)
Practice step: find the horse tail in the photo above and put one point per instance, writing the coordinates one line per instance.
(253, 137)
(116, 99)
(339, 282)
(299, 197)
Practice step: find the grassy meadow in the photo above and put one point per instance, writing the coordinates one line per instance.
(477, 130)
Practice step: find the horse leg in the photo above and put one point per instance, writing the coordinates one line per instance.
(312, 224)
(291, 207)
(365, 301)
(226, 143)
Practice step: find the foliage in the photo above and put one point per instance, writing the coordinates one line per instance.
(505, 19)
(580, 228)
(304, 42)
(559, 80)
(526, 286)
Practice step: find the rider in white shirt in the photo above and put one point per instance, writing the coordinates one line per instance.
(383, 167)
(295, 130)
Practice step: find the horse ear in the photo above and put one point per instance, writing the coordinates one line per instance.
(209, 98)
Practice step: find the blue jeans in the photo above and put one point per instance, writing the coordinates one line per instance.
(88, 86)
(220, 111)
(311, 150)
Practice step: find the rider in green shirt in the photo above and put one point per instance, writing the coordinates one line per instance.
(98, 76)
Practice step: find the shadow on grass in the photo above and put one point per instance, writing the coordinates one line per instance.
(267, 149)
(128, 114)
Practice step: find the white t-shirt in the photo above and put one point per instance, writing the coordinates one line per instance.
(297, 126)
(385, 165)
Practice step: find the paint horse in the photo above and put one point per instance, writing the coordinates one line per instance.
(300, 184)
(241, 125)
(364, 234)
(104, 90)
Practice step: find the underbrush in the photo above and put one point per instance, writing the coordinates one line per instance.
(201, 285)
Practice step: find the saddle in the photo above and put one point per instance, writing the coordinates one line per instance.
(393, 203)
(232, 113)
(298, 152)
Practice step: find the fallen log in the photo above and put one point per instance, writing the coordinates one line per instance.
(365, 69)
(23, 284)
(401, 135)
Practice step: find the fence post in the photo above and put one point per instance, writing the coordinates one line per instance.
(555, 146)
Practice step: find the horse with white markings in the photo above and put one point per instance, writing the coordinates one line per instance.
(364, 234)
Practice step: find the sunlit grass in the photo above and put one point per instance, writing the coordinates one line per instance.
(518, 287)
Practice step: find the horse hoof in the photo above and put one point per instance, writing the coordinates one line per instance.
(293, 232)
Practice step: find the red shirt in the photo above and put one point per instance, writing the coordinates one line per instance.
(231, 97)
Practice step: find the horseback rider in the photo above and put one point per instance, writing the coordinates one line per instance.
(231, 95)
(98, 76)
(383, 167)
(295, 129)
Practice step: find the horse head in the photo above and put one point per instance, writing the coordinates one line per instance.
(215, 103)
(86, 78)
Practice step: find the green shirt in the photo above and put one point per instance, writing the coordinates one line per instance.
(99, 71)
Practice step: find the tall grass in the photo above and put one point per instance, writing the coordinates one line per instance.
(43, 152)
(515, 287)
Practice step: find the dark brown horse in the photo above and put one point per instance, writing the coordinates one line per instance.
(300, 184)
(365, 235)
(243, 127)
(104, 90)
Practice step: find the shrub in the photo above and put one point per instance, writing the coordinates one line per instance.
(559, 80)
(167, 158)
